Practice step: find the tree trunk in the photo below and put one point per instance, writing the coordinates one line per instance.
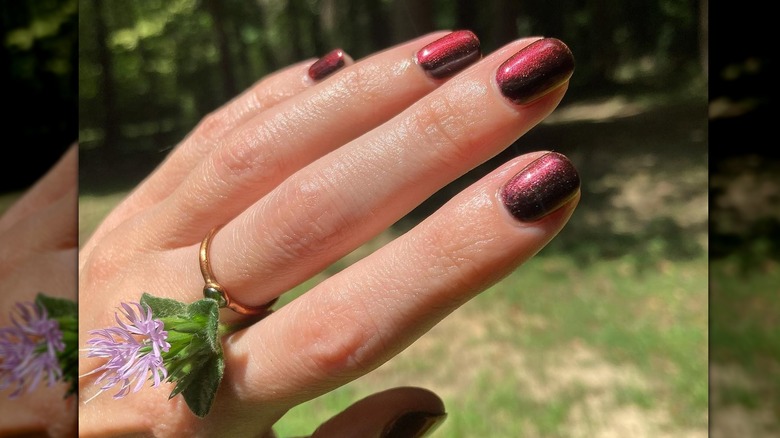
(110, 128)
(704, 32)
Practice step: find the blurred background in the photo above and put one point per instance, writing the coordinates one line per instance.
(38, 77)
(744, 226)
(605, 332)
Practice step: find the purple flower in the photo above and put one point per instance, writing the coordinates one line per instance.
(133, 349)
(28, 349)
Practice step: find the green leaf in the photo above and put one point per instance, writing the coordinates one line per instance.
(200, 396)
(65, 312)
(198, 373)
(210, 310)
(57, 307)
(164, 307)
(206, 374)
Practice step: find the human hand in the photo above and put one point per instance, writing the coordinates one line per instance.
(300, 173)
(38, 254)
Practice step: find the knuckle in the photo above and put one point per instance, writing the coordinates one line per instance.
(338, 340)
(246, 157)
(315, 222)
(211, 126)
(362, 82)
(103, 263)
(443, 127)
(452, 261)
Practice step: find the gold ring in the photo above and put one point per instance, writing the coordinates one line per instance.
(215, 291)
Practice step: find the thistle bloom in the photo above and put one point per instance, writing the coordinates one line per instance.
(163, 340)
(28, 349)
(134, 350)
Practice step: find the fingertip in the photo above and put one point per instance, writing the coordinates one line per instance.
(396, 412)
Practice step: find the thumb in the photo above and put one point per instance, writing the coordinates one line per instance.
(405, 412)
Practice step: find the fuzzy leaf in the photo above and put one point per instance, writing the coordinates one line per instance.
(57, 307)
(200, 396)
(204, 364)
(164, 307)
(65, 312)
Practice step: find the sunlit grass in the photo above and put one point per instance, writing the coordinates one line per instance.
(745, 332)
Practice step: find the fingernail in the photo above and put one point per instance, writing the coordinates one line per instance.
(414, 425)
(536, 70)
(326, 65)
(540, 188)
(449, 54)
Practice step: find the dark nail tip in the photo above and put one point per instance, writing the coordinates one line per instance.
(449, 54)
(330, 62)
(535, 70)
(543, 186)
(414, 425)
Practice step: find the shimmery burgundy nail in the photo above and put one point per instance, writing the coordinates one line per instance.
(536, 70)
(326, 65)
(540, 188)
(449, 54)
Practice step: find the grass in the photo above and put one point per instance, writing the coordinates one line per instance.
(745, 349)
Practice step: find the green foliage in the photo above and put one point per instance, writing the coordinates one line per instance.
(150, 70)
(65, 312)
(195, 361)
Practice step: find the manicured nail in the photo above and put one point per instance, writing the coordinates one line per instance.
(541, 187)
(535, 71)
(326, 65)
(449, 54)
(414, 425)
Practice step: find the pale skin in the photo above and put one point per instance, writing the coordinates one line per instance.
(38, 253)
(301, 173)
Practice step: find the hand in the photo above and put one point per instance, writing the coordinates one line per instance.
(299, 172)
(38, 253)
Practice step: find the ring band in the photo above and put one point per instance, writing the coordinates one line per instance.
(215, 291)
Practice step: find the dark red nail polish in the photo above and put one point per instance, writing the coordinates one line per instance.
(536, 70)
(449, 54)
(540, 188)
(326, 65)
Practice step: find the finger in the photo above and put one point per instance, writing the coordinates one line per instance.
(399, 412)
(353, 322)
(51, 227)
(61, 177)
(254, 159)
(265, 94)
(334, 205)
(39, 253)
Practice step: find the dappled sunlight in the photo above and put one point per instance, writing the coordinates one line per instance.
(597, 110)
